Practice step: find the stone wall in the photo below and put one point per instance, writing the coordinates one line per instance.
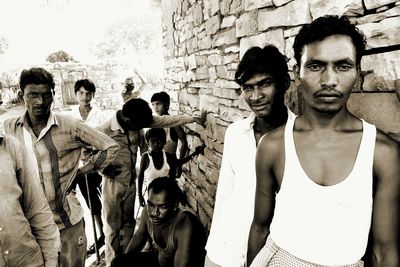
(205, 39)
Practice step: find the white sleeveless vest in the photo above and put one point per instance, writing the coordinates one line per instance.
(152, 173)
(327, 225)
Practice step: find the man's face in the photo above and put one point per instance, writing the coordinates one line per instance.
(84, 97)
(159, 108)
(159, 207)
(129, 124)
(259, 92)
(38, 99)
(327, 73)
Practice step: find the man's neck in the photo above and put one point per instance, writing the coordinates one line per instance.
(268, 123)
(85, 108)
(37, 124)
(327, 120)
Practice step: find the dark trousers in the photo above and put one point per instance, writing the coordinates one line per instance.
(138, 259)
(94, 182)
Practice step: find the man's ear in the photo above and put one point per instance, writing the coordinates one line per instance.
(296, 71)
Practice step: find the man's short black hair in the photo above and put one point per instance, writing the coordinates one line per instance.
(266, 60)
(327, 26)
(36, 76)
(162, 97)
(138, 111)
(169, 185)
(158, 133)
(87, 84)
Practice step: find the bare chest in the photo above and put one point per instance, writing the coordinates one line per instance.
(328, 160)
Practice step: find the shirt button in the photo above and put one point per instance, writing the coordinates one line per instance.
(6, 252)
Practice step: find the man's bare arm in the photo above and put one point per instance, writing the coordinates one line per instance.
(190, 242)
(385, 214)
(265, 195)
(139, 238)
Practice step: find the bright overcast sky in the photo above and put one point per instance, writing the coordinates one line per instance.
(36, 28)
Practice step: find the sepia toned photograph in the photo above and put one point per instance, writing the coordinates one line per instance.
(200, 133)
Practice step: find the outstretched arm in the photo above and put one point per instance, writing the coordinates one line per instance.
(167, 121)
(142, 84)
(198, 150)
(385, 213)
(264, 198)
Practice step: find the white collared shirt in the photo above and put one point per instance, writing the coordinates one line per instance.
(95, 117)
(234, 201)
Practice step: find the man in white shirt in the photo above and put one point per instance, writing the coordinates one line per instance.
(327, 182)
(93, 116)
(264, 79)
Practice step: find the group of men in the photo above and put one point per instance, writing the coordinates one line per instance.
(318, 189)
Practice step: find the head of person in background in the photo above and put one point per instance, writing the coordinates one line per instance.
(160, 102)
(136, 114)
(127, 92)
(156, 139)
(328, 54)
(263, 77)
(85, 91)
(37, 87)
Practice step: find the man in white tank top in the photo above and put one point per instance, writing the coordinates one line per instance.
(327, 179)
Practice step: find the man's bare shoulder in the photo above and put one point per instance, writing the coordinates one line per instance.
(387, 155)
(188, 223)
(386, 146)
(273, 139)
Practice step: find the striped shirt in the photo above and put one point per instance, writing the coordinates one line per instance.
(58, 151)
(28, 234)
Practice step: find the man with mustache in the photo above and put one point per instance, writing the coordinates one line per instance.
(264, 79)
(327, 179)
(178, 235)
(55, 144)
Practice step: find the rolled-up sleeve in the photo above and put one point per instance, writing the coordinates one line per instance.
(105, 146)
(167, 121)
(35, 206)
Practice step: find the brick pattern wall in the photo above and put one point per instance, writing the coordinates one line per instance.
(205, 39)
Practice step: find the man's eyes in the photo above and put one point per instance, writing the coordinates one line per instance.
(344, 67)
(247, 88)
(314, 67)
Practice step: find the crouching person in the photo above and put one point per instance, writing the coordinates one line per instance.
(179, 236)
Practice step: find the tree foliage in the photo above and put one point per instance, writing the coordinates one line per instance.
(132, 36)
(3, 45)
(60, 56)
